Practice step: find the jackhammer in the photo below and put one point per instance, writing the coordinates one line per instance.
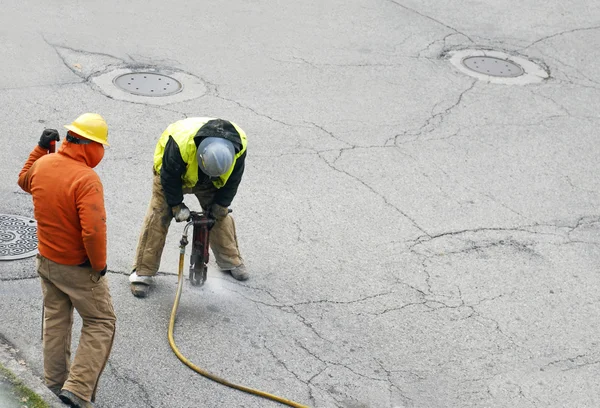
(202, 224)
(199, 257)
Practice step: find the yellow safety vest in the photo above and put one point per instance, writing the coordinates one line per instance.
(183, 133)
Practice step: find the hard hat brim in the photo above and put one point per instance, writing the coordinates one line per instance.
(85, 134)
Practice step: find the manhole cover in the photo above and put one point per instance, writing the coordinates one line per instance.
(493, 66)
(18, 237)
(148, 84)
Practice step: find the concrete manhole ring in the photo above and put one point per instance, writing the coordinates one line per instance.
(150, 86)
(18, 237)
(497, 67)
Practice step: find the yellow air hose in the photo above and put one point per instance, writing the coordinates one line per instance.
(198, 369)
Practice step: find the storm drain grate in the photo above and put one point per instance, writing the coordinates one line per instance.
(148, 84)
(493, 66)
(18, 237)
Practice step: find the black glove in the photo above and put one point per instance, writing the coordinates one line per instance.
(218, 212)
(181, 212)
(48, 136)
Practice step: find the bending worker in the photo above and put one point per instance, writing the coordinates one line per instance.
(200, 156)
(68, 201)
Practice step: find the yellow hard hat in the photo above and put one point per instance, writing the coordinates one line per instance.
(91, 126)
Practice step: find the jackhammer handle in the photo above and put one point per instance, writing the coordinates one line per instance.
(199, 213)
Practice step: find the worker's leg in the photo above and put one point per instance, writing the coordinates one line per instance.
(90, 295)
(58, 321)
(223, 238)
(154, 232)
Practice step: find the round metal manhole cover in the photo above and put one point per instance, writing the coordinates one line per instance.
(18, 238)
(493, 66)
(148, 84)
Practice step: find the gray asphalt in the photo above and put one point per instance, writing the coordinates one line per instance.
(417, 237)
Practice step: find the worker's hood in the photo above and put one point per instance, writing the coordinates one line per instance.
(90, 154)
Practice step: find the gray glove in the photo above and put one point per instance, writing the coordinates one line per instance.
(218, 212)
(181, 212)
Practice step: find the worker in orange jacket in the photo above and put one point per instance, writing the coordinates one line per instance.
(68, 201)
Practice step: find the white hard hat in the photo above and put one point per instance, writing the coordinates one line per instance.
(215, 156)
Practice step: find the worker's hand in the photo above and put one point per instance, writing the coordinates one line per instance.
(48, 136)
(97, 275)
(218, 212)
(181, 212)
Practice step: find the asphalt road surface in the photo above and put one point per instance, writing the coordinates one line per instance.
(417, 236)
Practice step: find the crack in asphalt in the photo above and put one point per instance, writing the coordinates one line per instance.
(472, 245)
(475, 315)
(318, 66)
(58, 85)
(218, 95)
(561, 34)
(584, 221)
(394, 309)
(331, 134)
(576, 187)
(282, 362)
(577, 70)
(487, 244)
(435, 42)
(392, 385)
(74, 70)
(573, 363)
(431, 18)
(526, 229)
(330, 363)
(286, 308)
(497, 201)
(19, 278)
(559, 105)
(434, 120)
(380, 195)
(124, 378)
(349, 302)
(498, 328)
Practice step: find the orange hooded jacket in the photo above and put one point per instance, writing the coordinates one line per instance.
(68, 201)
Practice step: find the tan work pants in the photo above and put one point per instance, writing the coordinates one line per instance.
(66, 287)
(223, 239)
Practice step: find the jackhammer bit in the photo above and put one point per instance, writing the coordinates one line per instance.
(199, 256)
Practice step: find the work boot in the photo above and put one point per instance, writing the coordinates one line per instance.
(240, 272)
(140, 285)
(73, 400)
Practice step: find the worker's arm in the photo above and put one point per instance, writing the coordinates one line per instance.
(171, 172)
(92, 216)
(48, 136)
(225, 194)
(25, 174)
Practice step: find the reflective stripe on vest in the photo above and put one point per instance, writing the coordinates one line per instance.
(183, 133)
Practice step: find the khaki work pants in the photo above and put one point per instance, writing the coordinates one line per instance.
(223, 239)
(66, 287)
